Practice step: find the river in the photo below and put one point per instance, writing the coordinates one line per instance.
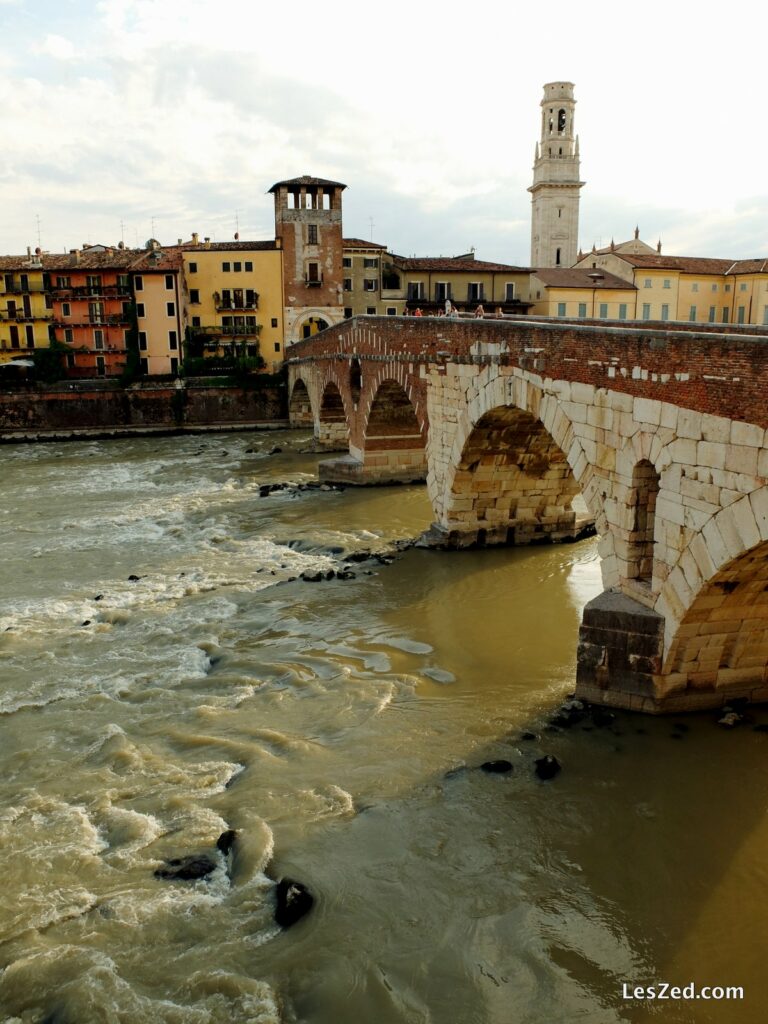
(338, 727)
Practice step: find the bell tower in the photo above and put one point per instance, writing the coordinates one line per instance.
(556, 184)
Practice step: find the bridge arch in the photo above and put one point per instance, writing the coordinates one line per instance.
(393, 435)
(513, 471)
(332, 431)
(300, 413)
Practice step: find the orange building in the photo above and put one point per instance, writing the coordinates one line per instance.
(92, 298)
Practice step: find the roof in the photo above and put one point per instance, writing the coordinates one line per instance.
(581, 277)
(448, 265)
(87, 259)
(759, 266)
(306, 179)
(360, 243)
(168, 257)
(237, 246)
(684, 264)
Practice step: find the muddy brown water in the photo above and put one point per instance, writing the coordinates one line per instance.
(338, 727)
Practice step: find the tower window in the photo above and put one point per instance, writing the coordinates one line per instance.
(561, 120)
(557, 257)
(311, 234)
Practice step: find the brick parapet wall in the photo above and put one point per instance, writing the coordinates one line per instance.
(704, 369)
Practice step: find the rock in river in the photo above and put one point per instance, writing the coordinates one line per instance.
(185, 869)
(294, 900)
(547, 767)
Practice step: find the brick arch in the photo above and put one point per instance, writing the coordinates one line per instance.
(332, 424)
(375, 378)
(300, 409)
(509, 476)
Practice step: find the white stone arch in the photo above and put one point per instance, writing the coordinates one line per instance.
(372, 383)
(296, 377)
(489, 391)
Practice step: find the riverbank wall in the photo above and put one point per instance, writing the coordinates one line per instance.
(92, 409)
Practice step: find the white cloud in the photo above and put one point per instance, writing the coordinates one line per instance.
(56, 46)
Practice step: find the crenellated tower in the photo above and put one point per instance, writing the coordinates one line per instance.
(556, 185)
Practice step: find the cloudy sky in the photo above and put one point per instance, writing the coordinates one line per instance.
(132, 118)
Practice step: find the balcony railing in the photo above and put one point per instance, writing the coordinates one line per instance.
(91, 291)
(227, 331)
(19, 316)
(222, 305)
(31, 289)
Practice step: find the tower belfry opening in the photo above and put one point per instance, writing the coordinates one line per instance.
(556, 182)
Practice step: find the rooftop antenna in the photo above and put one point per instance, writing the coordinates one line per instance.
(153, 227)
(370, 221)
(39, 243)
(237, 223)
(122, 231)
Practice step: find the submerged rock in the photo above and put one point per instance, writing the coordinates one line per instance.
(226, 841)
(547, 767)
(185, 869)
(729, 720)
(311, 577)
(496, 767)
(294, 900)
(528, 736)
(133, 578)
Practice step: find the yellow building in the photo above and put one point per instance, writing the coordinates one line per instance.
(161, 298)
(689, 288)
(26, 309)
(582, 293)
(235, 296)
(426, 283)
(362, 264)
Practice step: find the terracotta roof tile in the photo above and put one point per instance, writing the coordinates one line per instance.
(360, 243)
(580, 277)
(447, 264)
(306, 179)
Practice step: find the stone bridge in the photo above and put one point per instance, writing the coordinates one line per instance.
(660, 429)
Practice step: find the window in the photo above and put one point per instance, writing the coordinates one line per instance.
(665, 312)
(347, 284)
(695, 286)
(225, 267)
(144, 365)
(174, 365)
(726, 288)
(237, 267)
(138, 283)
(93, 282)
(347, 312)
(61, 282)
(48, 301)
(347, 261)
(667, 283)
(415, 289)
(622, 311)
(370, 310)
(371, 262)
(140, 309)
(311, 234)
(765, 314)
(714, 287)
(743, 286)
(250, 298)
(557, 257)
(193, 268)
(692, 313)
(123, 281)
(740, 314)
(725, 313)
(313, 273)
(561, 309)
(29, 330)
(712, 314)
(646, 311)
(274, 321)
(15, 336)
(173, 343)
(169, 282)
(392, 311)
(474, 291)
(126, 310)
(194, 295)
(648, 283)
(100, 367)
(170, 308)
(582, 309)
(603, 310)
(277, 346)
(248, 267)
(98, 339)
(143, 341)
(66, 309)
(370, 284)
(195, 321)
(442, 291)
(509, 292)
(96, 312)
(68, 335)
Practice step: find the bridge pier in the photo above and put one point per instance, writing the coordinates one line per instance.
(566, 527)
(376, 466)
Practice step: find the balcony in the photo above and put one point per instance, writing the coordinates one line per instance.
(91, 291)
(19, 316)
(32, 289)
(243, 307)
(226, 331)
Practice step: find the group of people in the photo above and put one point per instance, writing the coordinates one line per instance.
(454, 312)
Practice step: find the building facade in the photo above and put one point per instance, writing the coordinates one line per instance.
(26, 308)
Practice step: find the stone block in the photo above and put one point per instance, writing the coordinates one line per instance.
(689, 424)
(747, 434)
(715, 428)
(711, 454)
(647, 410)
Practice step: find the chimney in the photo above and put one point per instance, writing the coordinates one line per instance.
(75, 254)
(195, 238)
(207, 243)
(29, 252)
(178, 241)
